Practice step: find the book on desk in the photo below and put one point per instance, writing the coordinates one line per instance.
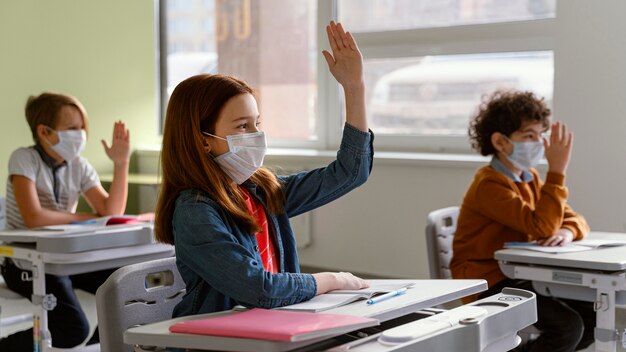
(103, 221)
(274, 325)
(338, 298)
(576, 246)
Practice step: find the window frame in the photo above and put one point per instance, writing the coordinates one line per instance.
(500, 37)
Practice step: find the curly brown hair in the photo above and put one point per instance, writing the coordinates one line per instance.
(504, 112)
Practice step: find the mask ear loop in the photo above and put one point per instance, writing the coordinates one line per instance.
(218, 137)
(212, 135)
(510, 142)
(55, 131)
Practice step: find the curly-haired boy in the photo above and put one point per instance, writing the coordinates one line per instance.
(507, 201)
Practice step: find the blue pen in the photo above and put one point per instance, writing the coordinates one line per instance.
(386, 296)
(86, 222)
(513, 244)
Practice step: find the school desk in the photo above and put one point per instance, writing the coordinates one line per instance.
(597, 275)
(75, 250)
(405, 325)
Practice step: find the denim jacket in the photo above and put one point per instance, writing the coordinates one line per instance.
(219, 261)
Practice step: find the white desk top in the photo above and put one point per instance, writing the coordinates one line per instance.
(424, 294)
(84, 250)
(81, 238)
(604, 259)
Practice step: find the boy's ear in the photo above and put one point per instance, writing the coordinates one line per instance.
(42, 131)
(499, 142)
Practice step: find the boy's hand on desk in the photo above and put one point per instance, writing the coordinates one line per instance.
(561, 237)
(119, 151)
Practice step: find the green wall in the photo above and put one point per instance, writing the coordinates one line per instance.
(102, 52)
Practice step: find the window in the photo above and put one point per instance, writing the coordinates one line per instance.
(435, 95)
(427, 63)
(269, 44)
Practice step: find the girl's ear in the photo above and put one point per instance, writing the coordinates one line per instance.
(499, 142)
(206, 144)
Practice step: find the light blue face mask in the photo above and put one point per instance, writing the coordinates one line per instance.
(526, 155)
(245, 154)
(71, 143)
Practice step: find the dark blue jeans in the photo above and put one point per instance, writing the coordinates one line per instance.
(67, 322)
(565, 325)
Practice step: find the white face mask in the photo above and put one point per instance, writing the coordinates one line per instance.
(245, 155)
(526, 154)
(71, 143)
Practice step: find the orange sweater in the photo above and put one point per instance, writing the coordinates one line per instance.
(497, 210)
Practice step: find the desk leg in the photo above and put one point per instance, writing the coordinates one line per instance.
(605, 333)
(42, 341)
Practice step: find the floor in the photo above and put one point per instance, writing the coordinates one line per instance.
(88, 301)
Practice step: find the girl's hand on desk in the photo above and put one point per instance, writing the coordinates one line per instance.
(338, 281)
(119, 151)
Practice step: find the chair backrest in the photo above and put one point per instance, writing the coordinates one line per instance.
(135, 295)
(440, 229)
(3, 213)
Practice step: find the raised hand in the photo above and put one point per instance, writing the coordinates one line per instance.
(119, 151)
(345, 63)
(559, 149)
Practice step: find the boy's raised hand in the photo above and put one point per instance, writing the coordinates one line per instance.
(119, 151)
(345, 62)
(559, 148)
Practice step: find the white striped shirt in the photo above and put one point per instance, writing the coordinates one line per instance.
(72, 179)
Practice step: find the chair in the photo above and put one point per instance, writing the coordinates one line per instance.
(3, 213)
(440, 228)
(134, 295)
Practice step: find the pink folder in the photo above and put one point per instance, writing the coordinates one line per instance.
(276, 325)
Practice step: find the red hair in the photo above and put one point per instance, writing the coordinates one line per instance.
(194, 108)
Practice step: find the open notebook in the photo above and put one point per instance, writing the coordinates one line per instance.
(101, 222)
(338, 298)
(264, 324)
(576, 246)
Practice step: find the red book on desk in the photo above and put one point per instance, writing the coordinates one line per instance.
(130, 219)
(112, 220)
(276, 325)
